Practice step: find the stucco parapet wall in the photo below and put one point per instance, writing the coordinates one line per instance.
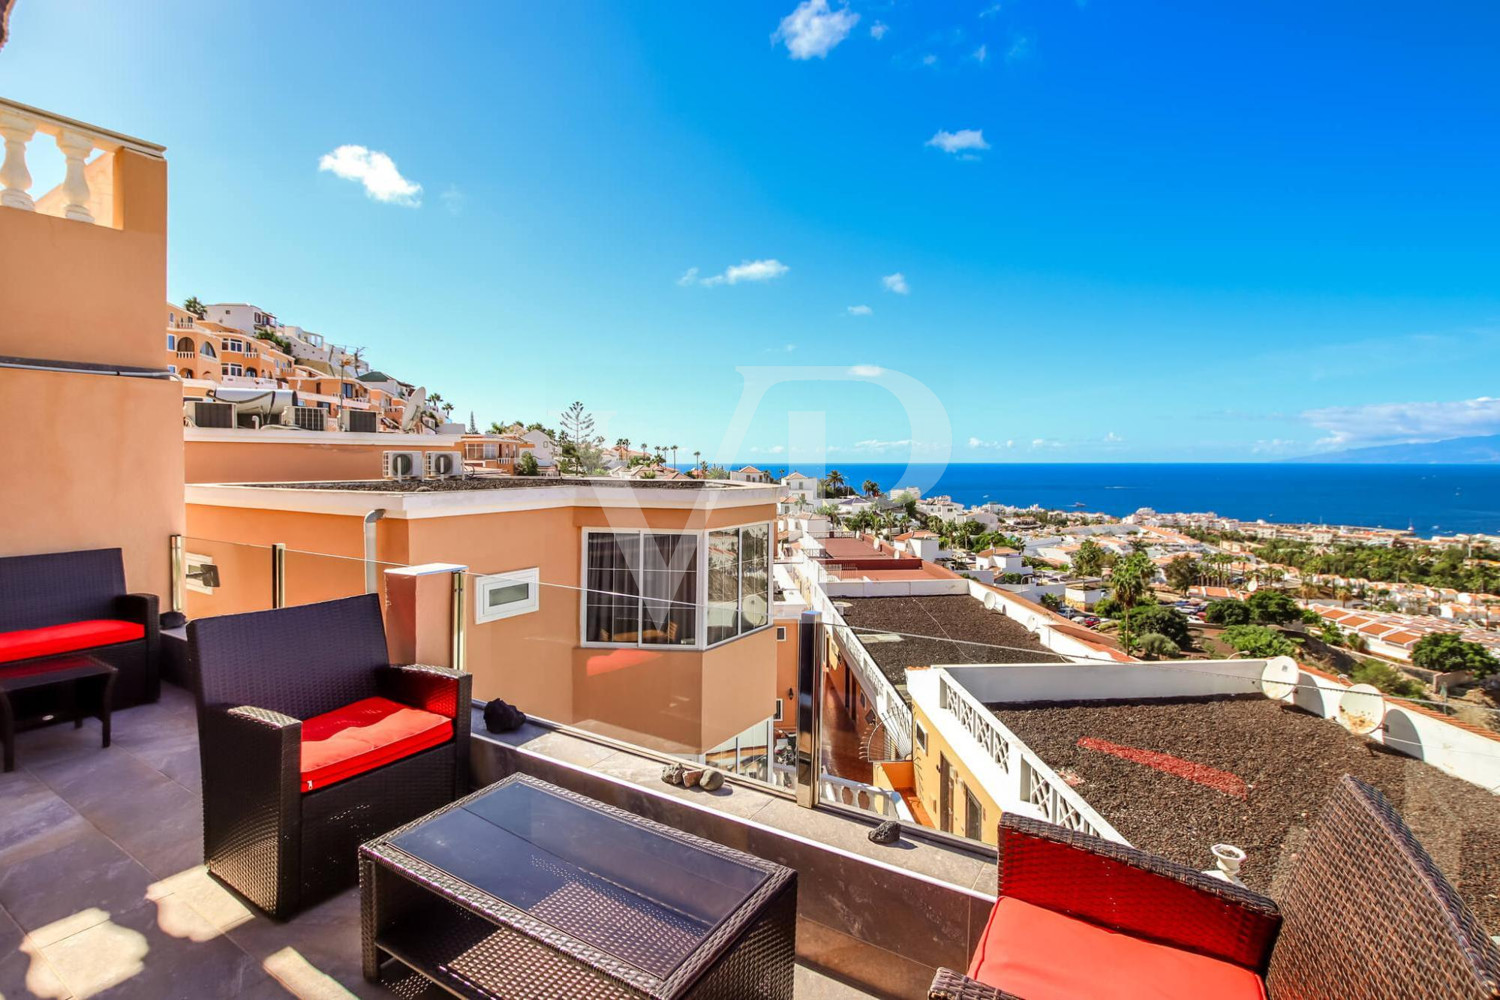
(415, 506)
(297, 435)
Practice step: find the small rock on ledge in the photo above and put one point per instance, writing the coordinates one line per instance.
(886, 833)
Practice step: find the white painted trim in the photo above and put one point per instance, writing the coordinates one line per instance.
(468, 502)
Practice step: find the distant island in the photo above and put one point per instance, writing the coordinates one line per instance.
(1464, 450)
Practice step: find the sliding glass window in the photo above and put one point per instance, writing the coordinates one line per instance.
(642, 588)
(739, 581)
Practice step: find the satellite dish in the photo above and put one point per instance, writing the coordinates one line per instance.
(1362, 709)
(411, 417)
(1279, 679)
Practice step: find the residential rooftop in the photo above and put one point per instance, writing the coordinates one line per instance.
(490, 482)
(973, 634)
(1176, 776)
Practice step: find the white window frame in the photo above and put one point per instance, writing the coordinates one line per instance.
(780, 710)
(171, 341)
(484, 584)
(781, 633)
(701, 567)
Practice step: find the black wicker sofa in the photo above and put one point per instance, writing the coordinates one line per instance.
(75, 602)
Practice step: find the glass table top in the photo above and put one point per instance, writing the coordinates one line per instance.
(643, 897)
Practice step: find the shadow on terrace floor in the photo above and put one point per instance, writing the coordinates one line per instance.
(103, 894)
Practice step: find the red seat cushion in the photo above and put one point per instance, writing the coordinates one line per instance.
(363, 736)
(1040, 954)
(25, 644)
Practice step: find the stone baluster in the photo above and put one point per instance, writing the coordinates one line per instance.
(76, 148)
(15, 179)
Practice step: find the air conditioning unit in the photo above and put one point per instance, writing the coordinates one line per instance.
(401, 465)
(206, 413)
(307, 418)
(359, 421)
(444, 464)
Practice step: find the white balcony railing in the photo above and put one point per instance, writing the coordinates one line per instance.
(19, 124)
(1027, 785)
(833, 790)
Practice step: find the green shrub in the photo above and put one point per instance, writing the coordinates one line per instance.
(1227, 612)
(1168, 622)
(1258, 641)
(1387, 678)
(1155, 646)
(1273, 607)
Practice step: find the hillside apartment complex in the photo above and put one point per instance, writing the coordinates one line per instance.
(639, 621)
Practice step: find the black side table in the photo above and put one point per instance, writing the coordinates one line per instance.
(79, 675)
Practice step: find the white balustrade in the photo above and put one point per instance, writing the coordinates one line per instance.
(836, 791)
(20, 124)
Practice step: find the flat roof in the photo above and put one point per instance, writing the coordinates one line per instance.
(852, 548)
(1175, 777)
(953, 617)
(484, 482)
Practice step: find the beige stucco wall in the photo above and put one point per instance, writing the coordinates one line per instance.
(258, 457)
(92, 461)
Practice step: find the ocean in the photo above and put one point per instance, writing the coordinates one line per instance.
(1433, 499)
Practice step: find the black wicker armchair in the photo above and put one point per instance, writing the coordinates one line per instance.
(312, 743)
(1366, 915)
(75, 602)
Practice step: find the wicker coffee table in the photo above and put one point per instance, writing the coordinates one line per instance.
(525, 890)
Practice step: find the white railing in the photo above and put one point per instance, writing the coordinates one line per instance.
(75, 140)
(1025, 783)
(836, 791)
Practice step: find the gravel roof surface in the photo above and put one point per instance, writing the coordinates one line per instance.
(956, 616)
(458, 485)
(1288, 761)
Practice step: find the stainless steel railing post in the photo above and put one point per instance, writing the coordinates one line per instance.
(809, 703)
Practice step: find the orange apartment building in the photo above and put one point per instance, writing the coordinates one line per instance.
(637, 611)
(81, 349)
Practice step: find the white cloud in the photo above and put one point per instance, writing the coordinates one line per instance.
(453, 200)
(957, 142)
(929, 60)
(1020, 48)
(1275, 446)
(982, 53)
(1398, 423)
(980, 443)
(813, 30)
(1112, 438)
(896, 283)
(775, 449)
(376, 171)
(879, 446)
(866, 371)
(990, 11)
(860, 310)
(747, 270)
(1045, 443)
(878, 30)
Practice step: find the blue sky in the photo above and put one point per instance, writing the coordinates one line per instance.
(1124, 231)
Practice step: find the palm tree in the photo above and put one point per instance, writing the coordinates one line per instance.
(871, 488)
(698, 459)
(674, 455)
(833, 482)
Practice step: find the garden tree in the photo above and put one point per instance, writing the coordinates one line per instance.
(1227, 611)
(1258, 641)
(871, 488)
(1331, 634)
(1108, 608)
(833, 484)
(622, 443)
(1138, 544)
(1445, 652)
(473, 427)
(582, 450)
(1273, 607)
(1387, 678)
(1155, 646)
(527, 465)
(1163, 620)
(494, 427)
(715, 472)
(1182, 573)
(1051, 601)
(1130, 583)
(1089, 559)
(195, 307)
